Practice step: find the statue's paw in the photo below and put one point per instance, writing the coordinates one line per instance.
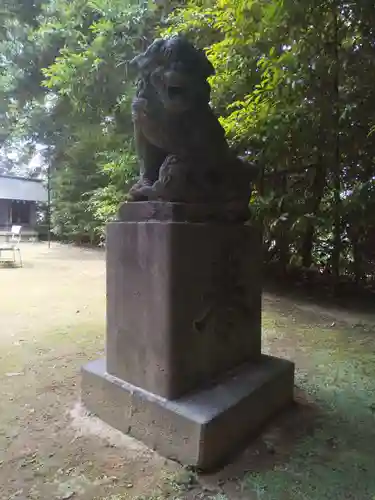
(139, 108)
(137, 196)
(140, 191)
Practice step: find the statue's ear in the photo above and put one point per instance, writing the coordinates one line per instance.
(142, 60)
(138, 62)
(205, 65)
(155, 47)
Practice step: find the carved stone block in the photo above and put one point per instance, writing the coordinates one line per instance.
(183, 301)
(184, 371)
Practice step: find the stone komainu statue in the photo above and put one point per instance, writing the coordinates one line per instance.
(183, 153)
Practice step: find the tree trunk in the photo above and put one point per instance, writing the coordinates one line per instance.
(357, 259)
(307, 245)
(283, 240)
(336, 177)
(317, 195)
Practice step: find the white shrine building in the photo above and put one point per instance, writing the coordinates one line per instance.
(18, 202)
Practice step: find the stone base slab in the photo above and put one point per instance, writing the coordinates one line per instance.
(201, 429)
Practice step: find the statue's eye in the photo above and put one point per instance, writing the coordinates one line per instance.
(213, 177)
(175, 92)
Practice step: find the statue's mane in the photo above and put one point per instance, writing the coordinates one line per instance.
(178, 49)
(177, 52)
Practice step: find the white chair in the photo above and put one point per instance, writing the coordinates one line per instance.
(13, 245)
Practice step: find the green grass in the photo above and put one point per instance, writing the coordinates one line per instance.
(324, 451)
(337, 373)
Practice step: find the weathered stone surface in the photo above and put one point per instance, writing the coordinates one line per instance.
(184, 371)
(202, 428)
(183, 302)
(144, 211)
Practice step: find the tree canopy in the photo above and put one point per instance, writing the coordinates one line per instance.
(293, 88)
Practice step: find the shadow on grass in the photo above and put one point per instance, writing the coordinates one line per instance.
(323, 447)
(309, 452)
(273, 448)
(334, 462)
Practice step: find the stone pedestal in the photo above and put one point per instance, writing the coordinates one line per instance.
(184, 371)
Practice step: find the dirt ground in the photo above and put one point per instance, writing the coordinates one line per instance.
(52, 320)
